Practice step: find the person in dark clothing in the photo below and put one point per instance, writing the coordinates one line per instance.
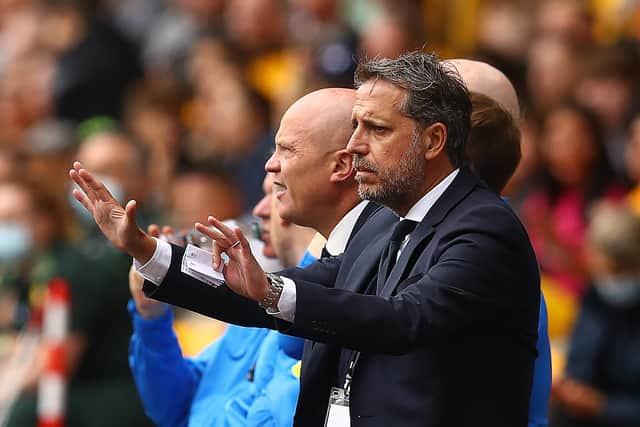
(601, 386)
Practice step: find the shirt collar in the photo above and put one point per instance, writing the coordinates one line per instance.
(422, 206)
(339, 236)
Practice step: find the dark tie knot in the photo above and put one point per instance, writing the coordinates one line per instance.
(325, 253)
(403, 228)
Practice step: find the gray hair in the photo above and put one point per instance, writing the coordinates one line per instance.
(615, 230)
(435, 93)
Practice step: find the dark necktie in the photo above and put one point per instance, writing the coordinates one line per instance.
(400, 232)
(325, 253)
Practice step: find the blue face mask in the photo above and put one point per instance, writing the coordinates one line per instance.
(619, 292)
(85, 217)
(15, 241)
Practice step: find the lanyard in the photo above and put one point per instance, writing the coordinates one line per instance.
(348, 377)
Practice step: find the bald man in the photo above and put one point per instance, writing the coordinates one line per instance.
(493, 149)
(246, 377)
(487, 80)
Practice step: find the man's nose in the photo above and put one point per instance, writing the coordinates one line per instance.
(263, 208)
(273, 164)
(357, 144)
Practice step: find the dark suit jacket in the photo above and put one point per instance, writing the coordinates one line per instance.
(449, 342)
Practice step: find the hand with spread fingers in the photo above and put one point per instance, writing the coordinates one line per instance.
(242, 273)
(118, 224)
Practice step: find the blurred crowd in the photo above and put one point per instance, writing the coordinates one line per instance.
(174, 103)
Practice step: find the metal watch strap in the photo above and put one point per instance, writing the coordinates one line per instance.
(270, 300)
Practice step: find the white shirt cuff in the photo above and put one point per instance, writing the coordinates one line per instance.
(155, 270)
(287, 302)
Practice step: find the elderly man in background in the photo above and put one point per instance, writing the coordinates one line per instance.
(260, 380)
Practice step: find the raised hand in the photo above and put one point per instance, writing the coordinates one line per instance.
(242, 273)
(117, 223)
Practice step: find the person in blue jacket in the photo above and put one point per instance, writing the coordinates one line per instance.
(245, 378)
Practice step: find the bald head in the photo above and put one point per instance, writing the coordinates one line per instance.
(311, 164)
(482, 78)
(324, 116)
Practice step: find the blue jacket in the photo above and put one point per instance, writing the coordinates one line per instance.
(248, 377)
(541, 389)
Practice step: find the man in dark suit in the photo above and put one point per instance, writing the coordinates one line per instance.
(414, 309)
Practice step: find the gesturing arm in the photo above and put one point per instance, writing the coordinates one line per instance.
(480, 274)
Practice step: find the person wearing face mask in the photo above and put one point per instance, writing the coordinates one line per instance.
(601, 385)
(35, 248)
(120, 161)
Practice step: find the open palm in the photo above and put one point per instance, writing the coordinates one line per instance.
(116, 223)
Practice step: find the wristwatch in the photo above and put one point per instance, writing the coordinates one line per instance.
(270, 300)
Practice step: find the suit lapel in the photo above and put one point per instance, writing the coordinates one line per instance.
(458, 190)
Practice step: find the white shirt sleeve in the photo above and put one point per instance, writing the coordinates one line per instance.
(155, 270)
(287, 302)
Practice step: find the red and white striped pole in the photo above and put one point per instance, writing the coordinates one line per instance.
(53, 383)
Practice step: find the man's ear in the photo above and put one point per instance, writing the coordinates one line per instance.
(342, 166)
(434, 139)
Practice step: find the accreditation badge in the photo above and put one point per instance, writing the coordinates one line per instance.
(338, 410)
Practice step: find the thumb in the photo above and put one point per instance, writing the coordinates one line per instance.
(130, 210)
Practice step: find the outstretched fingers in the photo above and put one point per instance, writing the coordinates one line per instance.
(224, 229)
(216, 235)
(75, 176)
(82, 198)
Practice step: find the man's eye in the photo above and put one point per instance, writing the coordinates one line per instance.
(354, 124)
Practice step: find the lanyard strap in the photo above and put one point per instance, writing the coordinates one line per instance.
(348, 378)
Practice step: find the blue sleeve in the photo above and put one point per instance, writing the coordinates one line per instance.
(307, 259)
(541, 388)
(166, 381)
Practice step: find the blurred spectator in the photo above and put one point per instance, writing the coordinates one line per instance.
(8, 165)
(503, 36)
(49, 147)
(526, 173)
(96, 64)
(569, 20)
(122, 163)
(601, 386)
(632, 160)
(325, 42)
(26, 94)
(19, 30)
(171, 35)
(197, 193)
(390, 34)
(576, 174)
(255, 27)
(152, 116)
(609, 85)
(35, 251)
(230, 125)
(551, 73)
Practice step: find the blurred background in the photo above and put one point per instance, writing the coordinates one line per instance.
(176, 102)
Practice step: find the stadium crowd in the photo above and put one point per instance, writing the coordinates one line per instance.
(176, 103)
